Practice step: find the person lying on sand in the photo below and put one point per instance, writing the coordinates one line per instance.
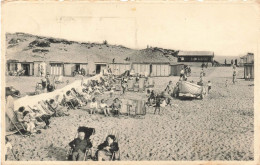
(107, 149)
(79, 146)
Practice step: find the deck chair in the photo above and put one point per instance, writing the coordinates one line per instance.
(88, 132)
(45, 107)
(12, 116)
(130, 85)
(116, 155)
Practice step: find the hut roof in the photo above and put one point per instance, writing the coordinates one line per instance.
(196, 53)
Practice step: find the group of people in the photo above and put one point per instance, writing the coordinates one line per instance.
(82, 144)
(45, 85)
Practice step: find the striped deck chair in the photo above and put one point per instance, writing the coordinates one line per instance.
(130, 85)
(12, 116)
(116, 155)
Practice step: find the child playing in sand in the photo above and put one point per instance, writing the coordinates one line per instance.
(104, 107)
(106, 149)
(79, 146)
(93, 106)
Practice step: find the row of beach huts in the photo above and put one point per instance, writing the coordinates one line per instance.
(144, 61)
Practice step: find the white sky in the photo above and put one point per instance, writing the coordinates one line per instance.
(226, 29)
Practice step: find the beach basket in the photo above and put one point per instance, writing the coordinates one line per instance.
(140, 107)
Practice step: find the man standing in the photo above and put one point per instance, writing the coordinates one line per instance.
(234, 76)
(182, 73)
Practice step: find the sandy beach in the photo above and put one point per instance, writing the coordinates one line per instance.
(219, 127)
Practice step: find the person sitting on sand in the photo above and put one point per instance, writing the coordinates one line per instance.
(93, 106)
(107, 149)
(79, 147)
(104, 107)
(116, 106)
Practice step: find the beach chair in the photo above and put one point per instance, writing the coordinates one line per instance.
(141, 84)
(88, 132)
(130, 84)
(12, 116)
(116, 155)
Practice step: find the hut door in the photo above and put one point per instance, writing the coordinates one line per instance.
(26, 68)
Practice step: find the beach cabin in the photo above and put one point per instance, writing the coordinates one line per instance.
(151, 61)
(249, 66)
(160, 69)
(119, 68)
(143, 68)
(39, 68)
(55, 68)
(15, 66)
(70, 68)
(175, 69)
(196, 58)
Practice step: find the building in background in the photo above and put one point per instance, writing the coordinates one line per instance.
(196, 58)
(248, 63)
